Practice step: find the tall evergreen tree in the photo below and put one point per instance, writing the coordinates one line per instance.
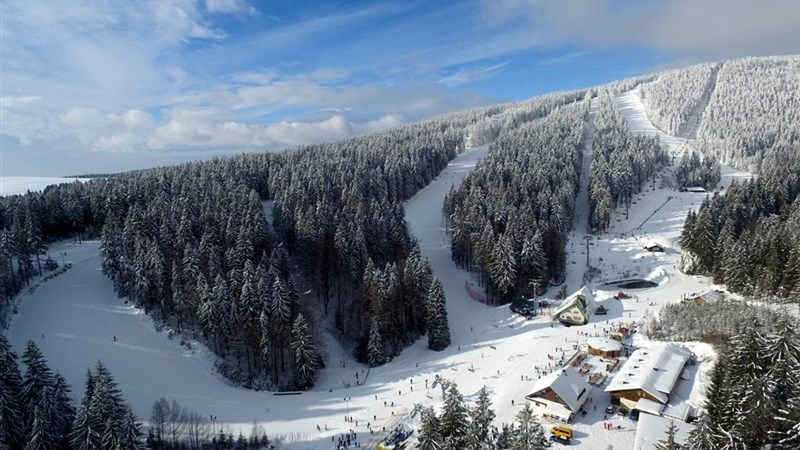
(103, 419)
(481, 417)
(37, 378)
(454, 419)
(375, 353)
(669, 442)
(529, 435)
(306, 358)
(438, 328)
(12, 431)
(430, 436)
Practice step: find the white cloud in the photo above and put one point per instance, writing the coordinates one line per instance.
(204, 129)
(230, 7)
(700, 29)
(470, 74)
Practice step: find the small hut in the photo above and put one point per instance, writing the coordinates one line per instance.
(604, 347)
(655, 248)
(706, 297)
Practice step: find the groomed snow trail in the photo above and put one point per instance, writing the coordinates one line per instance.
(689, 128)
(426, 223)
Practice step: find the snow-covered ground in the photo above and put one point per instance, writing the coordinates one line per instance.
(21, 185)
(79, 315)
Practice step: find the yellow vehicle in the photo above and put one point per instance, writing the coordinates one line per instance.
(565, 432)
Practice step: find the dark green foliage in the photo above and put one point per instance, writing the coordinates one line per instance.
(510, 216)
(622, 162)
(481, 417)
(748, 238)
(430, 437)
(438, 327)
(306, 357)
(669, 443)
(454, 420)
(692, 171)
(529, 433)
(752, 399)
(104, 421)
(12, 430)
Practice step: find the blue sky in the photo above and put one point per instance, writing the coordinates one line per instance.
(110, 85)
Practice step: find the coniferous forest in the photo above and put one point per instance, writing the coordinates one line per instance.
(748, 238)
(752, 399)
(676, 95)
(622, 163)
(510, 216)
(192, 246)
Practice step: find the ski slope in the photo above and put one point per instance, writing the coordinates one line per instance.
(75, 317)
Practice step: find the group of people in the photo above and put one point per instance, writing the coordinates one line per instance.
(346, 440)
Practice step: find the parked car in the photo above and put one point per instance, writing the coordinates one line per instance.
(559, 439)
(611, 409)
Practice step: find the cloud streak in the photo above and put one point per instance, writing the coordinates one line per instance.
(709, 29)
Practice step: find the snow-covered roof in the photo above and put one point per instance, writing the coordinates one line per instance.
(587, 305)
(556, 409)
(654, 371)
(604, 344)
(649, 406)
(710, 296)
(652, 429)
(567, 384)
(678, 409)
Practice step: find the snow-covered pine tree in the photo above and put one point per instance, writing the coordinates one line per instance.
(454, 421)
(430, 437)
(130, 433)
(529, 434)
(504, 265)
(36, 379)
(438, 328)
(102, 416)
(481, 417)
(669, 442)
(41, 431)
(702, 436)
(12, 431)
(375, 353)
(306, 357)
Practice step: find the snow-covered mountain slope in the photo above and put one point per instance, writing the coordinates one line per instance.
(76, 317)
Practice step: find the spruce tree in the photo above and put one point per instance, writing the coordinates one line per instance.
(304, 349)
(103, 419)
(41, 436)
(375, 354)
(12, 431)
(438, 328)
(481, 417)
(669, 442)
(64, 411)
(37, 378)
(454, 418)
(430, 437)
(529, 434)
